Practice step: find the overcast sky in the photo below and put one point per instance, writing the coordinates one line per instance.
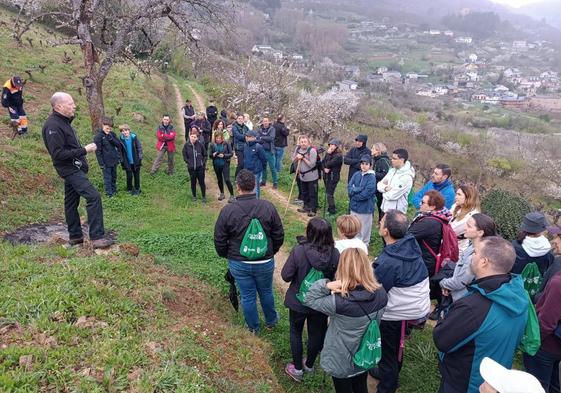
(517, 3)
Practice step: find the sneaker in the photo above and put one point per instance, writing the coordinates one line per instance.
(298, 202)
(102, 243)
(221, 197)
(311, 214)
(204, 199)
(275, 186)
(136, 192)
(231, 199)
(306, 368)
(302, 210)
(297, 375)
(194, 199)
(75, 242)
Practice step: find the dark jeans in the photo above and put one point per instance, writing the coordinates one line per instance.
(317, 326)
(239, 155)
(272, 165)
(330, 186)
(356, 384)
(379, 198)
(77, 185)
(223, 176)
(110, 179)
(133, 172)
(197, 175)
(545, 367)
(310, 195)
(390, 365)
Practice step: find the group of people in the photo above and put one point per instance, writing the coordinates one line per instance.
(485, 289)
(482, 297)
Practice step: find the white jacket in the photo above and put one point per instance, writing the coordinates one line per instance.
(401, 182)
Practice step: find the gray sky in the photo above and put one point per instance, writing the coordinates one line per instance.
(517, 3)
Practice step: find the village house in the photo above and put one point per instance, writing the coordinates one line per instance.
(352, 72)
(464, 40)
(391, 76)
(347, 85)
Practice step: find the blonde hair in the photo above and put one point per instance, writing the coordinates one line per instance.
(355, 269)
(380, 147)
(217, 134)
(348, 226)
(124, 127)
(471, 203)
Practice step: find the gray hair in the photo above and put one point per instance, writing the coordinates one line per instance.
(499, 252)
(380, 147)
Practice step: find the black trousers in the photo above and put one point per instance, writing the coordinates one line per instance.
(310, 195)
(390, 365)
(197, 175)
(317, 326)
(133, 172)
(330, 186)
(379, 197)
(239, 155)
(110, 179)
(77, 185)
(223, 176)
(299, 185)
(356, 384)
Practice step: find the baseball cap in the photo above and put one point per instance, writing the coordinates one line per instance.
(554, 230)
(508, 381)
(335, 142)
(17, 81)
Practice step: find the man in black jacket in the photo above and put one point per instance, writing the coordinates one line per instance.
(69, 160)
(109, 155)
(194, 155)
(188, 113)
(281, 141)
(254, 276)
(211, 113)
(331, 164)
(352, 158)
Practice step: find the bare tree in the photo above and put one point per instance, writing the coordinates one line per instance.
(106, 30)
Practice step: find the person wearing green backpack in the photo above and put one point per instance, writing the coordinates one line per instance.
(354, 303)
(249, 232)
(314, 257)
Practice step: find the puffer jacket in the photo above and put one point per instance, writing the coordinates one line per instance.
(463, 276)
(348, 323)
(362, 192)
(401, 181)
(303, 257)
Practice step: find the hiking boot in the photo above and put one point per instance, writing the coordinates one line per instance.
(297, 375)
(311, 214)
(302, 210)
(275, 186)
(75, 242)
(231, 199)
(221, 197)
(102, 243)
(263, 184)
(204, 199)
(194, 198)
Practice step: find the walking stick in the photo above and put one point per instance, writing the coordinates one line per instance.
(292, 187)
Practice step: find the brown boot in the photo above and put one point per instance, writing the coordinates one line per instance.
(102, 243)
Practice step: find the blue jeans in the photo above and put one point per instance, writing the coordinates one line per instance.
(253, 279)
(110, 179)
(271, 164)
(258, 184)
(545, 367)
(279, 154)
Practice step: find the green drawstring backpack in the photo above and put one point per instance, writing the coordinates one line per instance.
(312, 276)
(532, 278)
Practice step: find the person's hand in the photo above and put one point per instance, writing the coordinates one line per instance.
(334, 286)
(326, 170)
(445, 292)
(388, 188)
(214, 154)
(221, 155)
(299, 156)
(12, 110)
(90, 147)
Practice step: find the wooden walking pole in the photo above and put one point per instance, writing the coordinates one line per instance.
(292, 187)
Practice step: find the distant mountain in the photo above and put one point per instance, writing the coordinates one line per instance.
(548, 10)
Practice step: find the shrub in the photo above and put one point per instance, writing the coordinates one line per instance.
(507, 210)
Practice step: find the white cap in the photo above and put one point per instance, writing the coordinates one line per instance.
(504, 380)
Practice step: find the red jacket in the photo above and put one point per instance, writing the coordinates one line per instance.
(166, 136)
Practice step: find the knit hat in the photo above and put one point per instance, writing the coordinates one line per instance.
(534, 222)
(508, 381)
(554, 230)
(366, 158)
(335, 142)
(362, 138)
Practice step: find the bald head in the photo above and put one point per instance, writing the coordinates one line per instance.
(63, 103)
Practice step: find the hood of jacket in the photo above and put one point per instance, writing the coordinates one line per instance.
(507, 291)
(442, 185)
(405, 249)
(319, 260)
(536, 246)
(362, 138)
(368, 172)
(406, 169)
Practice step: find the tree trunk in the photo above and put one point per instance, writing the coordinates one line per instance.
(93, 82)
